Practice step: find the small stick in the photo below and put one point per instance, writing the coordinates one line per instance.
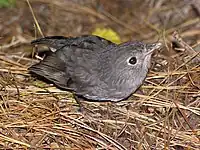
(36, 22)
(179, 39)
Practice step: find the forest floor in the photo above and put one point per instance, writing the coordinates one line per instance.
(163, 114)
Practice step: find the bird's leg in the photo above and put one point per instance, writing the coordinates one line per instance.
(77, 99)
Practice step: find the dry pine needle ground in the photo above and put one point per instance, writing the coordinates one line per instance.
(163, 114)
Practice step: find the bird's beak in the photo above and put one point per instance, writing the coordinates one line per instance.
(152, 47)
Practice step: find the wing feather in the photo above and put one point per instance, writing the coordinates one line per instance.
(74, 65)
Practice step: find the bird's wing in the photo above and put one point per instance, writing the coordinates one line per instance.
(52, 69)
(74, 65)
(85, 42)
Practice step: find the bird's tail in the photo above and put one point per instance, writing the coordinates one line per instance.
(56, 42)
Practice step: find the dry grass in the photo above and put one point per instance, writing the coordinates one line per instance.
(164, 114)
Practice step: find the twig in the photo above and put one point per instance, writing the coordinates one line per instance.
(36, 22)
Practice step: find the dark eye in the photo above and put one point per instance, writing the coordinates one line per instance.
(132, 61)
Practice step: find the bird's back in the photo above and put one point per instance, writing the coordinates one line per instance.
(74, 65)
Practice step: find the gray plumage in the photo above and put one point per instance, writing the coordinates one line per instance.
(95, 68)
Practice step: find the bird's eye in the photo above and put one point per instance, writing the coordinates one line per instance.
(132, 61)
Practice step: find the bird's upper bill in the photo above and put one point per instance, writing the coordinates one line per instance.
(152, 47)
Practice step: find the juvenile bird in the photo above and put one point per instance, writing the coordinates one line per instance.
(93, 67)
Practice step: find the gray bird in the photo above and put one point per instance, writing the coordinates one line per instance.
(93, 67)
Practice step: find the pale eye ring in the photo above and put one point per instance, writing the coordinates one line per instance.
(132, 61)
